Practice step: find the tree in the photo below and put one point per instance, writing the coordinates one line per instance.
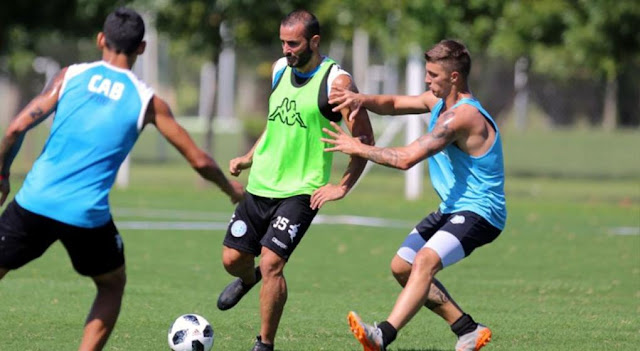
(564, 39)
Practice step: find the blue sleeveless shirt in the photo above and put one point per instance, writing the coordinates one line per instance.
(98, 118)
(470, 183)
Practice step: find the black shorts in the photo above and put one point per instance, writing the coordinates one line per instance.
(25, 236)
(471, 229)
(278, 224)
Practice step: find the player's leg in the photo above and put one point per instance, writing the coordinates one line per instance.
(273, 294)
(98, 253)
(24, 236)
(105, 309)
(289, 223)
(438, 300)
(241, 246)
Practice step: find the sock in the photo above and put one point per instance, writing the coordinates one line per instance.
(269, 346)
(258, 277)
(389, 333)
(464, 325)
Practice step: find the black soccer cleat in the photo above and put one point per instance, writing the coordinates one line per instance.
(259, 346)
(232, 294)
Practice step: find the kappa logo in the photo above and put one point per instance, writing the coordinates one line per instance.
(239, 228)
(287, 113)
(457, 219)
(293, 231)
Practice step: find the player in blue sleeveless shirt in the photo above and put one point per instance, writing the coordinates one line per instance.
(464, 152)
(100, 109)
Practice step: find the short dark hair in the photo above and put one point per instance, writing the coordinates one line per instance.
(310, 22)
(123, 30)
(452, 54)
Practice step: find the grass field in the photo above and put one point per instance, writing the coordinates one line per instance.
(559, 278)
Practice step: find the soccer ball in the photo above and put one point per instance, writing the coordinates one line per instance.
(190, 332)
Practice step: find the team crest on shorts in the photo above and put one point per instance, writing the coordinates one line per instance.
(457, 219)
(239, 228)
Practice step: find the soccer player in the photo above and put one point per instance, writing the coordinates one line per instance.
(289, 175)
(100, 109)
(466, 168)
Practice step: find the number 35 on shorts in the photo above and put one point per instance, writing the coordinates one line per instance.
(281, 224)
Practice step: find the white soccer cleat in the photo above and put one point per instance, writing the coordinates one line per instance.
(369, 336)
(474, 340)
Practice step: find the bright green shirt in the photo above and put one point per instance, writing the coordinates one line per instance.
(290, 159)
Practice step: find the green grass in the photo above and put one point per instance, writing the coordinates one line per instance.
(556, 279)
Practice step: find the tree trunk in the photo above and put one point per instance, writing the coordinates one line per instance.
(610, 111)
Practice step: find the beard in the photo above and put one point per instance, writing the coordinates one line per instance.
(298, 61)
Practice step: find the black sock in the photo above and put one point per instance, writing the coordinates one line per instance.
(258, 277)
(389, 333)
(464, 325)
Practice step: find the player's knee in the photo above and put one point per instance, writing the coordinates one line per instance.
(234, 260)
(113, 282)
(400, 269)
(271, 265)
(427, 260)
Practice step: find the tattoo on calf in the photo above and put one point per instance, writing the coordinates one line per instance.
(437, 297)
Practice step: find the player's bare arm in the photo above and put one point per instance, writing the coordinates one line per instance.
(161, 116)
(35, 112)
(446, 131)
(360, 128)
(382, 104)
(236, 165)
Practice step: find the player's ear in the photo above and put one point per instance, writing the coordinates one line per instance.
(455, 75)
(100, 41)
(141, 48)
(315, 42)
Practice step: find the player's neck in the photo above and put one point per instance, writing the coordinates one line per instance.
(457, 94)
(118, 60)
(314, 62)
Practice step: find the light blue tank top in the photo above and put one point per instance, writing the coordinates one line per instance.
(98, 118)
(470, 183)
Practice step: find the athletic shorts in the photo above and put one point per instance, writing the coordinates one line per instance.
(25, 236)
(452, 235)
(278, 224)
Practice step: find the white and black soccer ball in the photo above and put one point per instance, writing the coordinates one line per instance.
(190, 332)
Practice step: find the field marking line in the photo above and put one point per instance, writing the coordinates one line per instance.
(205, 220)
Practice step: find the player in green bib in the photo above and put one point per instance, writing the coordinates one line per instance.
(289, 179)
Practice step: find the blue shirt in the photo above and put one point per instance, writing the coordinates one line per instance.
(470, 183)
(99, 116)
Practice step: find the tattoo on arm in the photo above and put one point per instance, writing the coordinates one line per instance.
(384, 156)
(36, 113)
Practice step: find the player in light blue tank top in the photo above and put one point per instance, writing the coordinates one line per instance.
(469, 183)
(464, 150)
(99, 116)
(100, 109)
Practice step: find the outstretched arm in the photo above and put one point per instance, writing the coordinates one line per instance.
(161, 116)
(445, 132)
(382, 104)
(35, 112)
(360, 128)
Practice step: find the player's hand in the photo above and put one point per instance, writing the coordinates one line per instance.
(327, 193)
(237, 164)
(238, 192)
(345, 98)
(342, 141)
(5, 189)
